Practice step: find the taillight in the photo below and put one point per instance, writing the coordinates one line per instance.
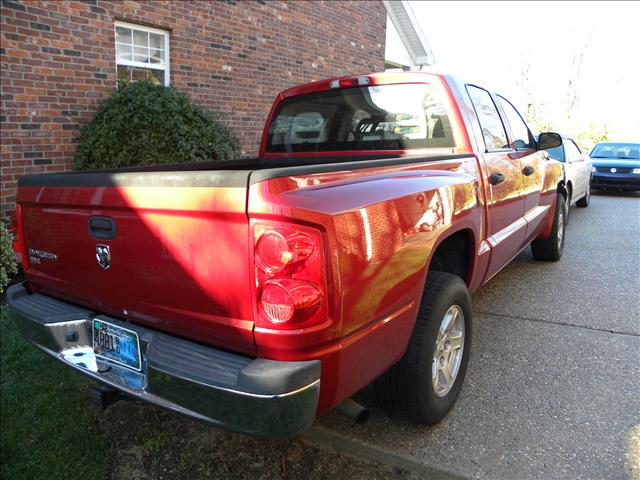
(350, 82)
(285, 299)
(290, 275)
(18, 238)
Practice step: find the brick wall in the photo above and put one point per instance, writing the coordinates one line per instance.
(58, 64)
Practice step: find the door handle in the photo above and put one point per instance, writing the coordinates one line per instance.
(528, 170)
(102, 228)
(496, 178)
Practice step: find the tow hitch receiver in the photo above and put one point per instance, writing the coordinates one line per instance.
(102, 397)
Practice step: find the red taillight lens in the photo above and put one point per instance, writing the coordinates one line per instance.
(276, 302)
(350, 82)
(273, 252)
(18, 239)
(301, 245)
(290, 275)
(285, 299)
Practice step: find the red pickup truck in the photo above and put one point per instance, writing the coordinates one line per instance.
(258, 293)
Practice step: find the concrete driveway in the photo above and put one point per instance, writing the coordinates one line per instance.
(553, 386)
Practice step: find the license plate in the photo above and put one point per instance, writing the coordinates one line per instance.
(117, 344)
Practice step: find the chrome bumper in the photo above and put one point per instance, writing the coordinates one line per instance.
(256, 397)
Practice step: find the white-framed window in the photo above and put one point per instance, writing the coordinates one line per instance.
(142, 53)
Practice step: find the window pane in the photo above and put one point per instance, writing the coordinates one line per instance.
(140, 38)
(136, 44)
(519, 129)
(142, 74)
(557, 153)
(572, 151)
(495, 137)
(123, 52)
(617, 150)
(387, 117)
(141, 54)
(138, 74)
(123, 35)
(575, 145)
(156, 40)
(157, 56)
(124, 74)
(156, 76)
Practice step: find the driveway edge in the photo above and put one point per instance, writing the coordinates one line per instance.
(328, 439)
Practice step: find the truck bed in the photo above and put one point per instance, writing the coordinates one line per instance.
(179, 245)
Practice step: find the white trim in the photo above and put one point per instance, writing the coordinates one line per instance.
(151, 66)
(410, 32)
(137, 26)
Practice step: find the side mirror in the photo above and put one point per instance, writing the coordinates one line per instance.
(549, 140)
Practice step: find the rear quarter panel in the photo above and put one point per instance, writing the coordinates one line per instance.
(381, 226)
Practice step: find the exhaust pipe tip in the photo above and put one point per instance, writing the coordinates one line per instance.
(354, 410)
(363, 416)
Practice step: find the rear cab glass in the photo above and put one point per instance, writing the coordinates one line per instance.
(381, 117)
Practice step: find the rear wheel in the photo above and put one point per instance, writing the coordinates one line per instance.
(584, 201)
(550, 249)
(425, 384)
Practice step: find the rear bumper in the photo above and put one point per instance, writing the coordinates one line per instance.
(615, 182)
(256, 397)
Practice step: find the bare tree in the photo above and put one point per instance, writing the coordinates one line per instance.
(530, 98)
(574, 75)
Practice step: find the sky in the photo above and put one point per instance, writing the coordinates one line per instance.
(500, 44)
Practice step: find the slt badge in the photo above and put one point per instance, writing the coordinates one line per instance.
(103, 255)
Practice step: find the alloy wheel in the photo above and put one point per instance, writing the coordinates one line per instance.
(449, 348)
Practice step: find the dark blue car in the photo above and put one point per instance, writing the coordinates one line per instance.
(616, 166)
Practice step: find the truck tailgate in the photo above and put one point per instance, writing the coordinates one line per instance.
(179, 254)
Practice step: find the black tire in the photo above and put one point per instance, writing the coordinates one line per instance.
(550, 249)
(407, 388)
(584, 201)
(568, 209)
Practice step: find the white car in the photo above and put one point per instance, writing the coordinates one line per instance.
(578, 169)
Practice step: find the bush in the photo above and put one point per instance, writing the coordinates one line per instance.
(8, 264)
(146, 124)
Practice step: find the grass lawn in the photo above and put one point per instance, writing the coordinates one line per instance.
(47, 427)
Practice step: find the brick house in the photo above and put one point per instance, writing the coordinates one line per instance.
(61, 59)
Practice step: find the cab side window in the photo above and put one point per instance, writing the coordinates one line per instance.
(522, 138)
(557, 153)
(573, 152)
(495, 136)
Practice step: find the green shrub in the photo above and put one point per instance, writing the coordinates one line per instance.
(8, 264)
(146, 124)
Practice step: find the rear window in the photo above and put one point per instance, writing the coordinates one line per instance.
(386, 117)
(630, 151)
